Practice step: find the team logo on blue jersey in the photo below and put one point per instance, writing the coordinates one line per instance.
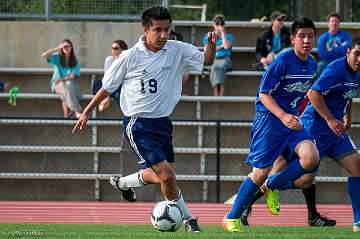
(298, 87)
(350, 94)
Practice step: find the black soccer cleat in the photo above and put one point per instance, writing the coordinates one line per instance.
(244, 217)
(192, 225)
(319, 221)
(128, 194)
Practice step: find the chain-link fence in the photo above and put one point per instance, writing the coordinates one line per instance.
(233, 10)
(76, 9)
(42, 160)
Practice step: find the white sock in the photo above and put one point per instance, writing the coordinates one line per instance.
(132, 181)
(181, 203)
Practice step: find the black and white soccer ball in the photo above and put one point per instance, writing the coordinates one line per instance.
(167, 216)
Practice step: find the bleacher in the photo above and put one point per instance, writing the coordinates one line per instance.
(41, 159)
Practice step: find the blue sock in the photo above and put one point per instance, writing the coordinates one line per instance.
(244, 197)
(354, 193)
(292, 172)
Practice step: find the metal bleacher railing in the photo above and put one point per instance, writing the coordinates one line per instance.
(199, 149)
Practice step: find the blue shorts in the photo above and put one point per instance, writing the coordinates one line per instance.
(269, 138)
(337, 148)
(151, 139)
(329, 145)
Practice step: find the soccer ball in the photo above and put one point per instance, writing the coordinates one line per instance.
(167, 216)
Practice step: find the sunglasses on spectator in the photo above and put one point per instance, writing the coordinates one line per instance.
(280, 19)
(115, 48)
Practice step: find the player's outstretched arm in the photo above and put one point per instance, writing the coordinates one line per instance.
(289, 120)
(318, 102)
(210, 49)
(82, 121)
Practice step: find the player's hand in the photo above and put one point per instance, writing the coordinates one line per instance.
(291, 121)
(336, 126)
(212, 37)
(347, 121)
(81, 123)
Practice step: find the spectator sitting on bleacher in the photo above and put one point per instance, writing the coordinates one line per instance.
(272, 41)
(63, 82)
(332, 44)
(116, 48)
(222, 62)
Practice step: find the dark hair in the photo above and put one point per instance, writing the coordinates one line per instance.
(155, 13)
(219, 19)
(122, 44)
(302, 22)
(355, 41)
(333, 14)
(72, 58)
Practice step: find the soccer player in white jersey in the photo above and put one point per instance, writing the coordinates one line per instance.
(150, 74)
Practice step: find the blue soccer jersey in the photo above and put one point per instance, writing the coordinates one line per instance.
(287, 80)
(338, 84)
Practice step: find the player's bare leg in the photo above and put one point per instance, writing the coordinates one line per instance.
(351, 163)
(171, 191)
(308, 153)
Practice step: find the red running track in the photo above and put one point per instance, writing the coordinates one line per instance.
(139, 213)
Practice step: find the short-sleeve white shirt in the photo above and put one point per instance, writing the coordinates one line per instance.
(152, 81)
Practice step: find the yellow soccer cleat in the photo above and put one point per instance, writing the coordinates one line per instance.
(356, 227)
(273, 201)
(231, 225)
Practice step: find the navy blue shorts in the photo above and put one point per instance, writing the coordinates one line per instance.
(269, 138)
(151, 139)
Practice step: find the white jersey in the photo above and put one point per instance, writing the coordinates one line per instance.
(151, 81)
(108, 61)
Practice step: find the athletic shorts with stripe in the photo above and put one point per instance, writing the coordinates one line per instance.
(150, 138)
(335, 147)
(329, 145)
(269, 138)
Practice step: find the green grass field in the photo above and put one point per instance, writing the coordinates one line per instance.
(146, 231)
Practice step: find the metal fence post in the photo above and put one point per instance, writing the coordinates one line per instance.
(47, 9)
(165, 3)
(218, 145)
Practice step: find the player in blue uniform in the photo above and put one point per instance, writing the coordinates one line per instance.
(305, 184)
(151, 77)
(328, 117)
(276, 126)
